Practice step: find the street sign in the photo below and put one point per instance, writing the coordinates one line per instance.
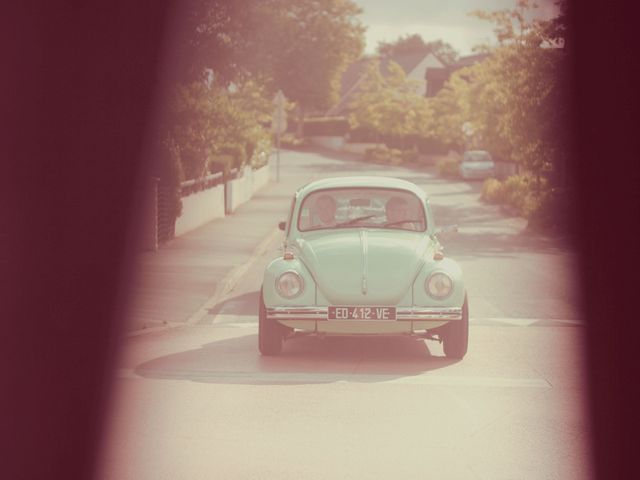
(279, 100)
(279, 122)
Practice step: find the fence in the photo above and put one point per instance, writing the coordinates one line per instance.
(202, 200)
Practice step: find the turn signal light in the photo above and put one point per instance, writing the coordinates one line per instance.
(438, 256)
(288, 255)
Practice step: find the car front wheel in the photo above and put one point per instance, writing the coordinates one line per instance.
(270, 336)
(456, 335)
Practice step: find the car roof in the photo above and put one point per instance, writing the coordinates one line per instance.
(361, 182)
(477, 151)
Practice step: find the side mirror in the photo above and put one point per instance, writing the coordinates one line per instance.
(443, 232)
(282, 226)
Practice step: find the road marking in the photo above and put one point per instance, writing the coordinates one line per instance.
(308, 377)
(231, 280)
(524, 322)
(244, 321)
(519, 322)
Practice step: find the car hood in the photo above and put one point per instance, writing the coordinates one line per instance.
(364, 267)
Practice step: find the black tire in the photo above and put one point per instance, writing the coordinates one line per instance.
(456, 335)
(270, 336)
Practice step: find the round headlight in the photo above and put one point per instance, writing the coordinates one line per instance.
(289, 284)
(439, 285)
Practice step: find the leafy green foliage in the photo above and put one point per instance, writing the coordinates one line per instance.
(312, 42)
(232, 56)
(389, 105)
(447, 167)
(214, 129)
(383, 154)
(514, 100)
(521, 192)
(331, 126)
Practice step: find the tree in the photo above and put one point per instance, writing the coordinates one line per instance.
(299, 46)
(210, 120)
(388, 105)
(212, 35)
(450, 111)
(514, 99)
(311, 44)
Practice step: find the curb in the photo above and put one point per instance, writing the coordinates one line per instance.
(223, 288)
(230, 281)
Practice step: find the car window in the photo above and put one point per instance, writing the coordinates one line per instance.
(361, 207)
(476, 157)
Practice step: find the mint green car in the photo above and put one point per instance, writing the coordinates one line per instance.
(361, 257)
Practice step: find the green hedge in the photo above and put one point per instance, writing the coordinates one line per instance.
(326, 126)
(518, 191)
(424, 145)
(448, 167)
(391, 156)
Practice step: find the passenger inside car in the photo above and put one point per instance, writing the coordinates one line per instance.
(398, 214)
(323, 211)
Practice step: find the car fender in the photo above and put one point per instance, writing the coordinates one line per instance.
(277, 267)
(451, 268)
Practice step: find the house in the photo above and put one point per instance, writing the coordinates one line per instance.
(414, 64)
(436, 77)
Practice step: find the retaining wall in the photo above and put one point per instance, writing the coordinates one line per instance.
(200, 208)
(358, 147)
(332, 142)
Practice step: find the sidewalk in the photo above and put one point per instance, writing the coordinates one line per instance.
(172, 284)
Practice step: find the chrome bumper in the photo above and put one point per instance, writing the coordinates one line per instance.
(402, 313)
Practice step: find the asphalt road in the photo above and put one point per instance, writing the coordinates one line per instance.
(199, 402)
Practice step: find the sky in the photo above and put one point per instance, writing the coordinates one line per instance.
(446, 20)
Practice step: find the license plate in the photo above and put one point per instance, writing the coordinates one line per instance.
(362, 313)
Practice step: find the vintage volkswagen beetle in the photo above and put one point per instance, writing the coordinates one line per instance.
(358, 267)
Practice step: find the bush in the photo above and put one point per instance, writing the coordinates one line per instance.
(410, 155)
(363, 135)
(220, 163)
(431, 146)
(261, 153)
(492, 191)
(517, 191)
(383, 154)
(553, 213)
(447, 167)
(289, 140)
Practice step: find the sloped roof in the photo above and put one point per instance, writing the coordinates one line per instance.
(355, 74)
(468, 60)
(408, 61)
(352, 75)
(446, 71)
(351, 78)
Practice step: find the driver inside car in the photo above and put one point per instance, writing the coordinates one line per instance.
(397, 211)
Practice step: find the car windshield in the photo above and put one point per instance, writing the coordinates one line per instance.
(476, 157)
(362, 207)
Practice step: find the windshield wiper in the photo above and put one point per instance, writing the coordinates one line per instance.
(354, 220)
(406, 220)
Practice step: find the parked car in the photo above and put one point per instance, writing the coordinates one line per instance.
(361, 256)
(477, 164)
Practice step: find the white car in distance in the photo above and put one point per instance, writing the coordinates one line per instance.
(477, 165)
